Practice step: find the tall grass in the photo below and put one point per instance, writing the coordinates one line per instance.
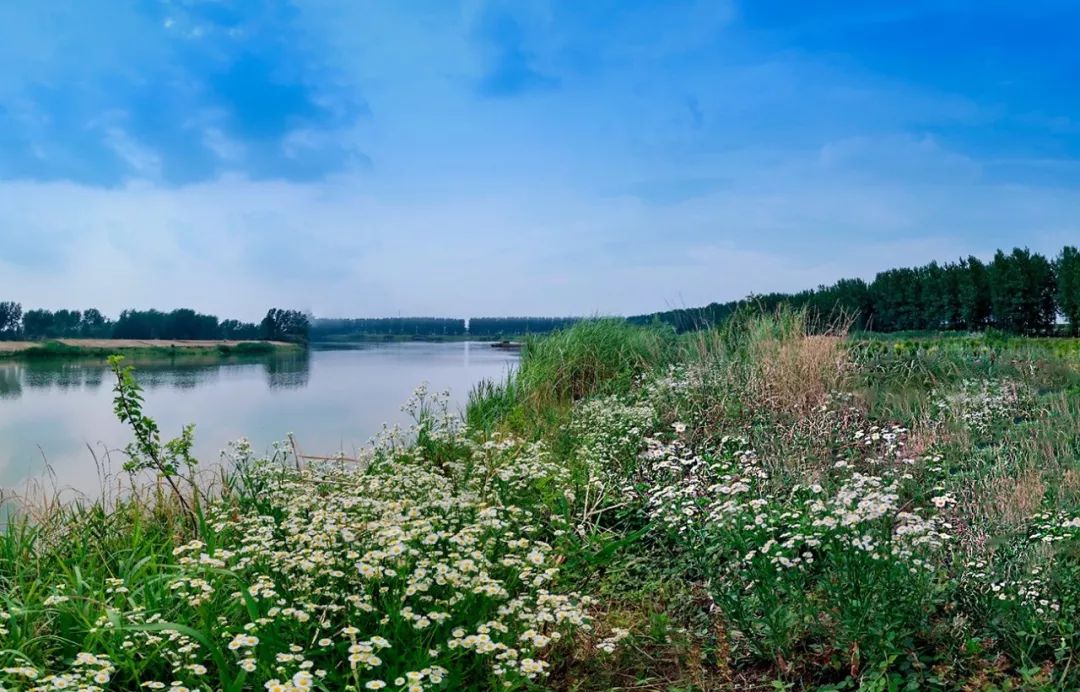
(782, 360)
(784, 355)
(592, 357)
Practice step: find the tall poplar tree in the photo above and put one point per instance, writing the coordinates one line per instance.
(1022, 290)
(1068, 287)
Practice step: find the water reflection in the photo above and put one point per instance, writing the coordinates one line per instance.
(289, 371)
(282, 371)
(49, 374)
(10, 382)
(333, 401)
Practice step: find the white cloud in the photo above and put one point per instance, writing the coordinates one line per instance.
(143, 161)
(349, 247)
(227, 150)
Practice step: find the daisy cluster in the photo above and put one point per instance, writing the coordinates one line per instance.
(1029, 591)
(983, 405)
(396, 572)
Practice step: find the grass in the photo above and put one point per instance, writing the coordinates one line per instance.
(593, 357)
(771, 505)
(600, 355)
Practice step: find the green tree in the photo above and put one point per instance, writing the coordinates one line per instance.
(94, 325)
(974, 294)
(1022, 289)
(37, 324)
(898, 304)
(140, 324)
(10, 320)
(185, 323)
(66, 323)
(235, 329)
(847, 299)
(286, 325)
(1068, 287)
(940, 291)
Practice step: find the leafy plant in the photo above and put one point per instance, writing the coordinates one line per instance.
(147, 452)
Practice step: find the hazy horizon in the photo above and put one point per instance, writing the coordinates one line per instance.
(486, 158)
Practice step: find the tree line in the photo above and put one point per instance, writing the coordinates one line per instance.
(1019, 292)
(428, 327)
(345, 328)
(514, 326)
(278, 325)
(182, 323)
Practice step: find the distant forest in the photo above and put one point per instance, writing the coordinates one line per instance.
(183, 323)
(508, 326)
(1019, 292)
(324, 329)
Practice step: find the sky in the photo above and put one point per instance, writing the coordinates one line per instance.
(358, 158)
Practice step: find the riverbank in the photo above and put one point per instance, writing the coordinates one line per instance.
(746, 508)
(140, 348)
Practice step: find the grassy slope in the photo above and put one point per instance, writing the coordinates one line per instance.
(987, 428)
(733, 509)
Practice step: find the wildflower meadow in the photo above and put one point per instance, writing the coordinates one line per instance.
(763, 506)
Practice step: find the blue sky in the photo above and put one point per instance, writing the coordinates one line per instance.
(356, 158)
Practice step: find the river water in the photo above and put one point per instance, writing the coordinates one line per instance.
(56, 416)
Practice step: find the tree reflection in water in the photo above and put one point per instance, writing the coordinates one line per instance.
(283, 371)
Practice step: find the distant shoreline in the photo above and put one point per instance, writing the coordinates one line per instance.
(408, 338)
(101, 348)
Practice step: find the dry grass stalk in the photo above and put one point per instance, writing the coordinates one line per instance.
(1014, 499)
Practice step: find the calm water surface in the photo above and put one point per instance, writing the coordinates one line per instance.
(50, 411)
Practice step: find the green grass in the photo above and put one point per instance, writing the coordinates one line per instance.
(761, 506)
(594, 357)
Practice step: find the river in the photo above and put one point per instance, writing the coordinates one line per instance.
(56, 416)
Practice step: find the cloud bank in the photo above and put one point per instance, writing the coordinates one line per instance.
(510, 158)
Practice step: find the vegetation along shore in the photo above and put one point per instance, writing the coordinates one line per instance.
(182, 324)
(141, 348)
(766, 505)
(1018, 292)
